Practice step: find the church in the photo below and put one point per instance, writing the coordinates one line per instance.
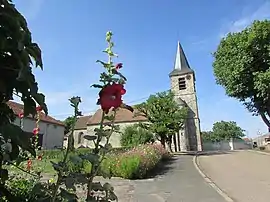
(182, 80)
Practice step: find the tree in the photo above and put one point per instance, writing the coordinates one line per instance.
(207, 136)
(242, 67)
(164, 115)
(225, 130)
(134, 135)
(17, 55)
(68, 123)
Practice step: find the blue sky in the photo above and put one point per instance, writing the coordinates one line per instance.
(72, 37)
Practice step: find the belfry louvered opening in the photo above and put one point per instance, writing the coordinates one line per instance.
(182, 83)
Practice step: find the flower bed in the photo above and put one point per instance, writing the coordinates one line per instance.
(135, 163)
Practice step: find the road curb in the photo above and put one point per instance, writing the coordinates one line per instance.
(259, 152)
(210, 182)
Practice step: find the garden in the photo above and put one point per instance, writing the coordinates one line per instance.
(127, 163)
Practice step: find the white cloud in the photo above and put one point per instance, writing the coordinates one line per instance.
(263, 12)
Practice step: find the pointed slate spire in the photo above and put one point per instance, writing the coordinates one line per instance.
(181, 65)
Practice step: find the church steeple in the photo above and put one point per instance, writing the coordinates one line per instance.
(181, 65)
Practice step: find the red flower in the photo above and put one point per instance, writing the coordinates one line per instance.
(118, 66)
(21, 115)
(39, 157)
(38, 108)
(36, 131)
(111, 96)
(29, 164)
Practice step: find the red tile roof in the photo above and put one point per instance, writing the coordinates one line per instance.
(18, 108)
(122, 116)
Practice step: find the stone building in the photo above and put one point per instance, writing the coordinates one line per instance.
(87, 124)
(183, 86)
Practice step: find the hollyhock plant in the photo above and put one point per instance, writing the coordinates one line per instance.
(110, 99)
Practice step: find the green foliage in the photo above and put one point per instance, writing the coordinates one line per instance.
(21, 187)
(134, 135)
(242, 67)
(68, 124)
(135, 163)
(18, 56)
(223, 130)
(164, 114)
(207, 136)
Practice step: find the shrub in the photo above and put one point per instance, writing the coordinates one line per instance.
(134, 135)
(21, 187)
(135, 163)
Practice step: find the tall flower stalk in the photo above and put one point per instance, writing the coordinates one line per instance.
(110, 99)
(61, 166)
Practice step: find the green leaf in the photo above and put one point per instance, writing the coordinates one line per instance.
(70, 183)
(116, 128)
(112, 196)
(75, 159)
(90, 137)
(104, 133)
(18, 137)
(97, 86)
(15, 152)
(68, 195)
(108, 187)
(40, 99)
(96, 186)
(3, 175)
(109, 117)
(29, 107)
(92, 158)
(57, 166)
(106, 65)
(119, 74)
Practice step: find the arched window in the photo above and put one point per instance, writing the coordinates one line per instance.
(80, 137)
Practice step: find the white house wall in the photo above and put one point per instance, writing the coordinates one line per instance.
(53, 135)
(114, 140)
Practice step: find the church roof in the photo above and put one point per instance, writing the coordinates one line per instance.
(81, 123)
(122, 116)
(181, 102)
(181, 65)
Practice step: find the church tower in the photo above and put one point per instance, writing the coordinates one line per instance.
(183, 86)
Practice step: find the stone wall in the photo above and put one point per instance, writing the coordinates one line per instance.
(226, 145)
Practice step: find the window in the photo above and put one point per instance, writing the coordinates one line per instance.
(80, 137)
(182, 83)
